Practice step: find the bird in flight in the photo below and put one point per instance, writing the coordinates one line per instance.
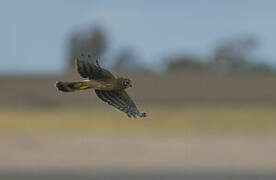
(108, 88)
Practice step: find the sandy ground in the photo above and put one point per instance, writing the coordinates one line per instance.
(27, 152)
(134, 175)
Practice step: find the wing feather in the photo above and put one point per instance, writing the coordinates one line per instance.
(120, 100)
(88, 67)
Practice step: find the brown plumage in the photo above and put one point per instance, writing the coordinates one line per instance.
(107, 87)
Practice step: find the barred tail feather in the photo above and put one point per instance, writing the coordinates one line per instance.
(71, 86)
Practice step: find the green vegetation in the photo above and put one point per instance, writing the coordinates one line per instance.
(184, 121)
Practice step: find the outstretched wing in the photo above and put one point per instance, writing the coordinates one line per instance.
(120, 100)
(88, 67)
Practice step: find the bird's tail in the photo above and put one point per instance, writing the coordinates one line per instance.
(71, 86)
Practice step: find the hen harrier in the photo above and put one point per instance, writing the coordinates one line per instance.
(107, 87)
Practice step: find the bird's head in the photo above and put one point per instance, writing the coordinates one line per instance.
(126, 83)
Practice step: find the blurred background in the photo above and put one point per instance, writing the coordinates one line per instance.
(204, 71)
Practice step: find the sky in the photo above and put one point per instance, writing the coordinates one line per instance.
(34, 34)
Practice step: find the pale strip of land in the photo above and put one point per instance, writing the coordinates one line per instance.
(72, 152)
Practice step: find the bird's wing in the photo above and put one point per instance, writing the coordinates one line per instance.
(88, 67)
(120, 100)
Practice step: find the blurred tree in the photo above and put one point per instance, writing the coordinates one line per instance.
(96, 42)
(127, 60)
(260, 68)
(93, 42)
(186, 64)
(233, 55)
